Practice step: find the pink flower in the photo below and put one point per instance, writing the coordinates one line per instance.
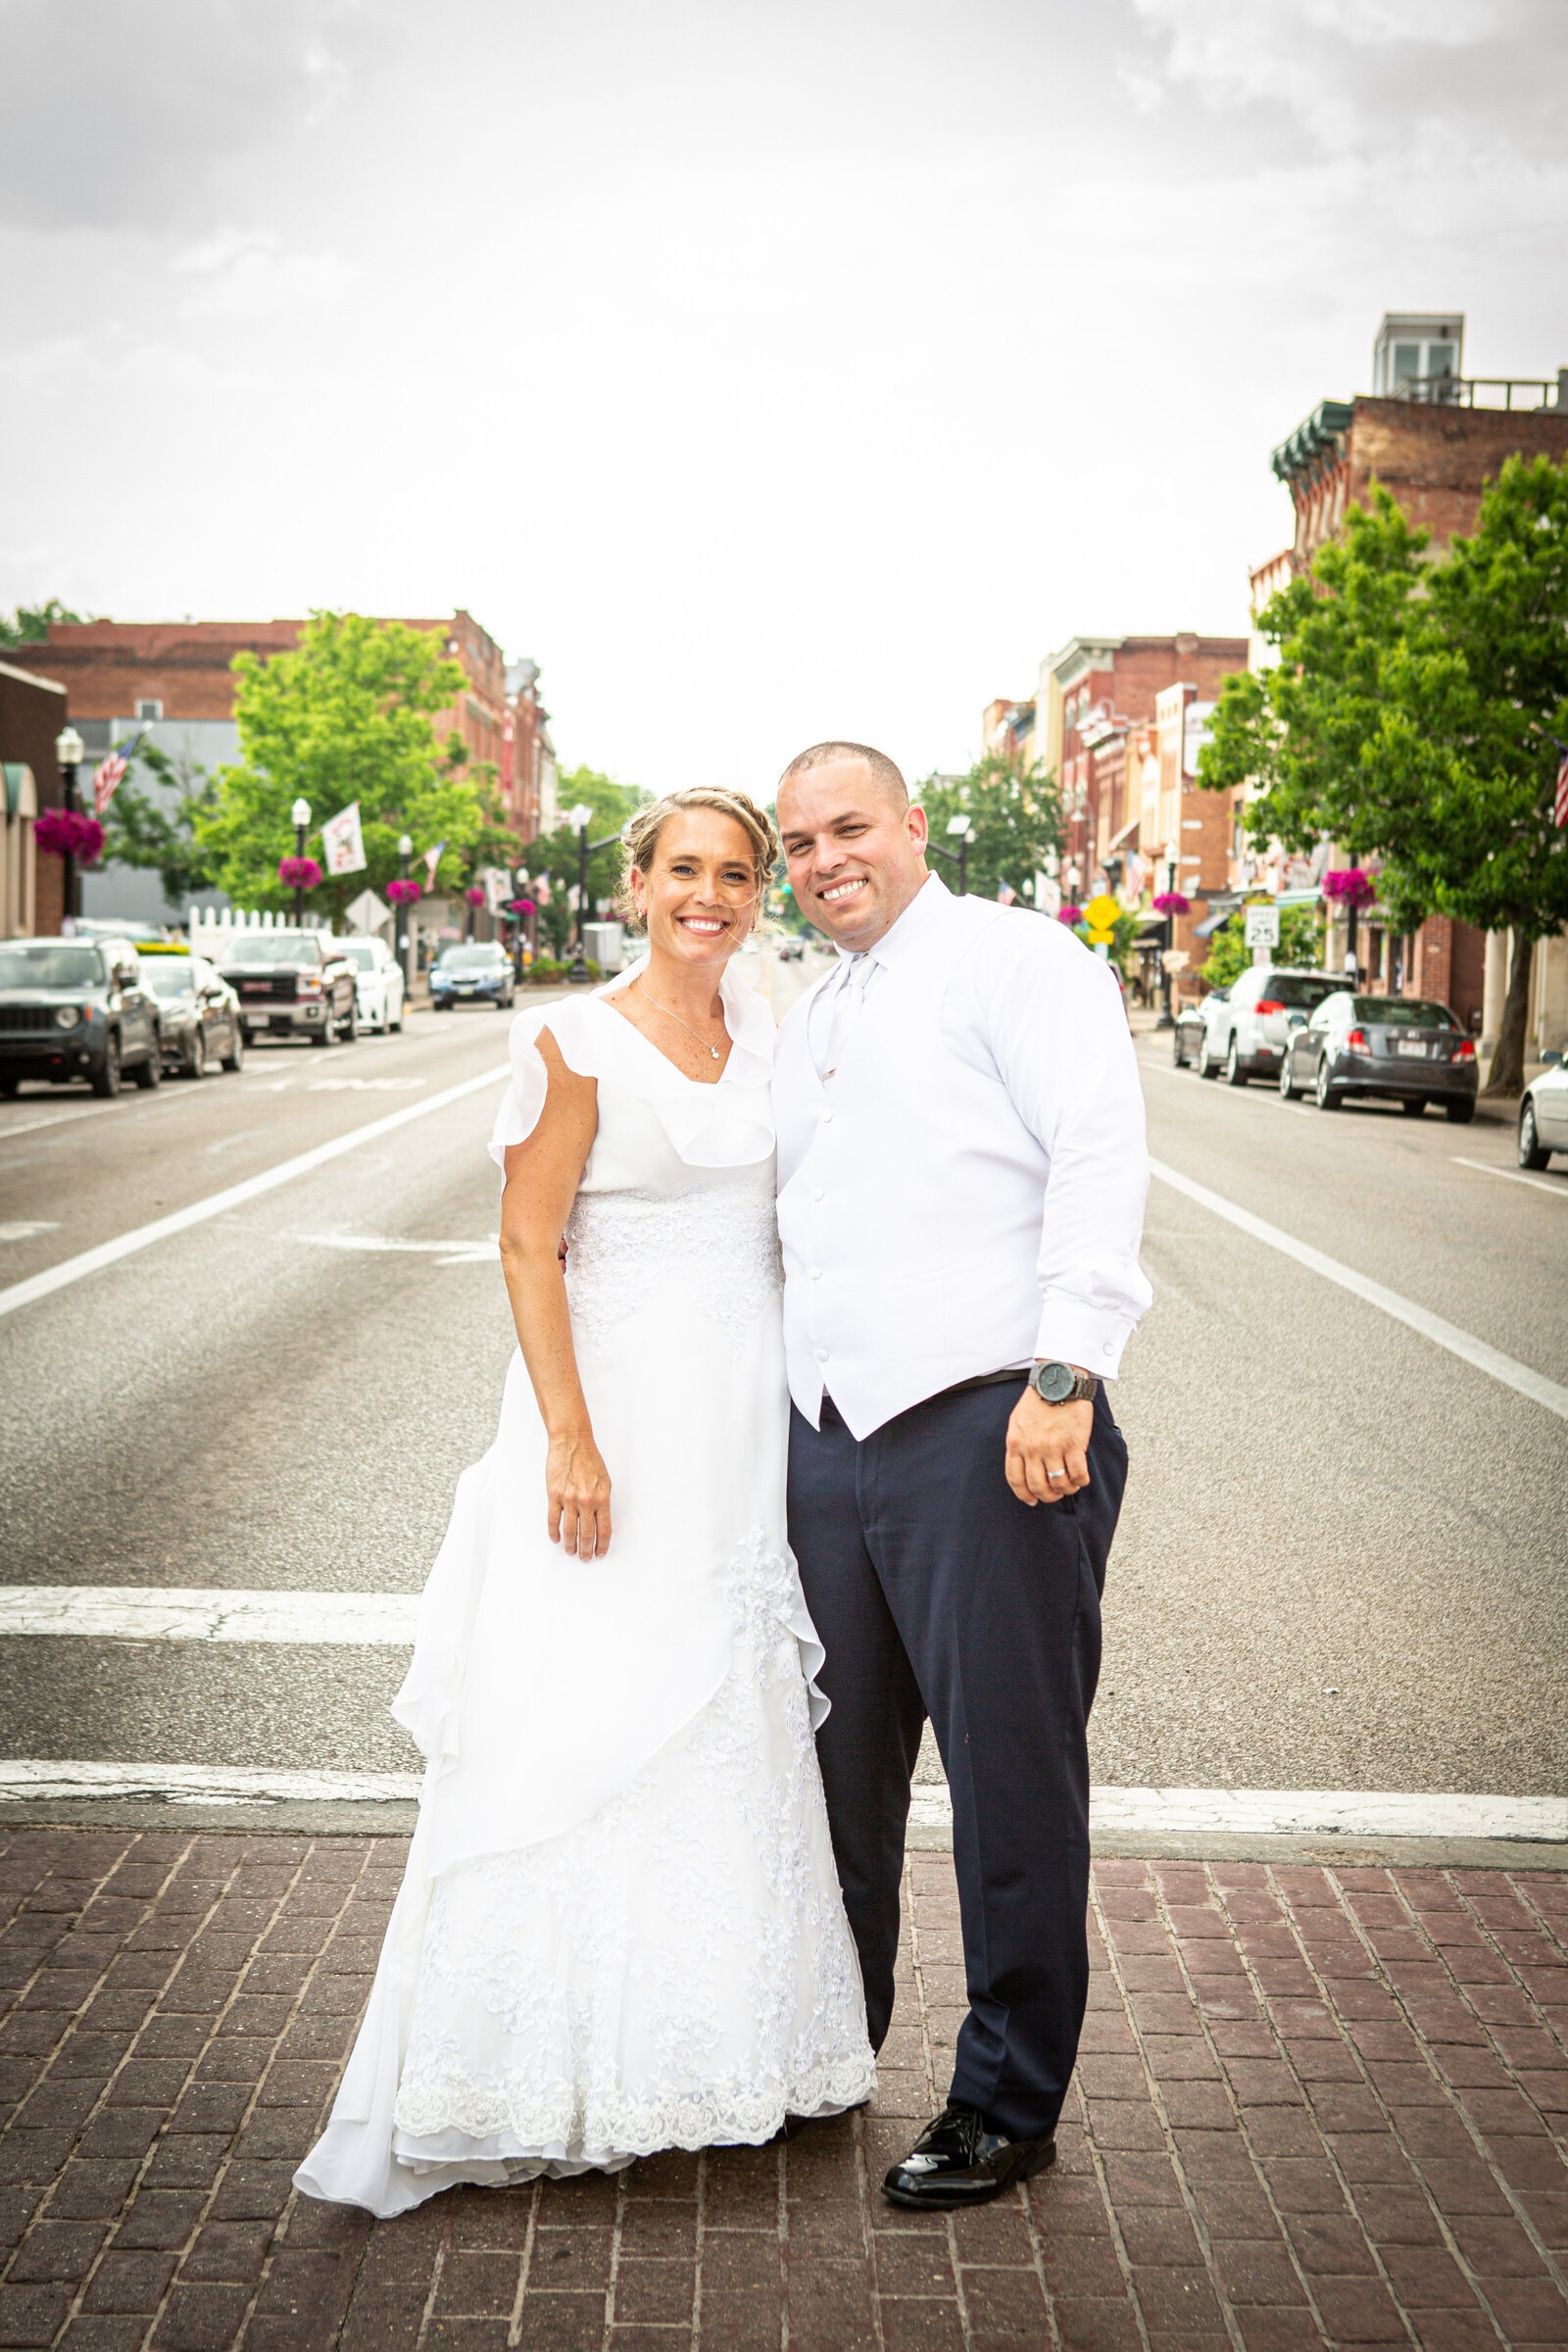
(475, 898)
(299, 873)
(1349, 886)
(67, 833)
(1171, 902)
(402, 893)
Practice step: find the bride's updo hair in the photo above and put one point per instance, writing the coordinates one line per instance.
(639, 841)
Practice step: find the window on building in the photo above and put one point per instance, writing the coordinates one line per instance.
(1407, 362)
(1440, 357)
(153, 711)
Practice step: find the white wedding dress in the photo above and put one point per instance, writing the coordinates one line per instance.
(620, 1928)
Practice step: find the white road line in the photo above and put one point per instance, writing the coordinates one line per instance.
(1491, 1360)
(34, 1778)
(234, 1196)
(1537, 1184)
(26, 1228)
(445, 1253)
(206, 1613)
(1118, 1812)
(1299, 1813)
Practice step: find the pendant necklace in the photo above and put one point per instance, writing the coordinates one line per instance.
(675, 1017)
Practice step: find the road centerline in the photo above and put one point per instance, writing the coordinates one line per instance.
(1462, 1344)
(215, 1205)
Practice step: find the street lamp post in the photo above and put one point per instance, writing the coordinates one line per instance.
(404, 852)
(69, 750)
(581, 818)
(1167, 1020)
(962, 831)
(299, 816)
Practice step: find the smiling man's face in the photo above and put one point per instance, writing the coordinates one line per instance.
(856, 852)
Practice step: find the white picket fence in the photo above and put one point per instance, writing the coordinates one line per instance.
(211, 928)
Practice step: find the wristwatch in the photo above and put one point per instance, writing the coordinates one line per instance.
(1059, 1383)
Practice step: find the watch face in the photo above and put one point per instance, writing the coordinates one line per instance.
(1054, 1382)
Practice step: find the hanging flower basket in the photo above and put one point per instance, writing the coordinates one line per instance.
(1171, 902)
(67, 833)
(402, 893)
(521, 907)
(1069, 915)
(299, 873)
(475, 898)
(1349, 886)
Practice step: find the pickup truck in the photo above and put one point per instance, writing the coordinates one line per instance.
(291, 984)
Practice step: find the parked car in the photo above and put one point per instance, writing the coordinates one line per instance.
(1543, 1115)
(1189, 1026)
(198, 1013)
(77, 1008)
(1406, 1049)
(377, 983)
(1246, 1035)
(478, 974)
(291, 984)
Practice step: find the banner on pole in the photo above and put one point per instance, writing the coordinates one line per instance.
(343, 842)
(1562, 793)
(433, 858)
(109, 774)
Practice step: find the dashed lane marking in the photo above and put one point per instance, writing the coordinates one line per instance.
(1463, 1344)
(233, 1196)
(446, 1253)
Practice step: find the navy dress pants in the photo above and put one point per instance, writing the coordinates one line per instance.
(936, 1591)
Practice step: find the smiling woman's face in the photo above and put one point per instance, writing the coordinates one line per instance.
(699, 895)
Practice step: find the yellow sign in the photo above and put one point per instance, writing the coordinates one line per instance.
(1101, 939)
(1101, 914)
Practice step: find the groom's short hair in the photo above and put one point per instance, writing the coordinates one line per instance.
(883, 769)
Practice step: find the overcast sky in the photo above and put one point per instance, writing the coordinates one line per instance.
(766, 371)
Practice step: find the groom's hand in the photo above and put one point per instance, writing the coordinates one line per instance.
(1047, 1448)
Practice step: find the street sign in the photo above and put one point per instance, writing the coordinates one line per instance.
(366, 912)
(1262, 926)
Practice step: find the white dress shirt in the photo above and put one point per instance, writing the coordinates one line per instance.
(960, 1159)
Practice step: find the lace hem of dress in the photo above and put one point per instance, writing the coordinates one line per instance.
(563, 2127)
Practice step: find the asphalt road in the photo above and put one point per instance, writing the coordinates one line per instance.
(1341, 1563)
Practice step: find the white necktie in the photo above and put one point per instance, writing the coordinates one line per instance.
(844, 1012)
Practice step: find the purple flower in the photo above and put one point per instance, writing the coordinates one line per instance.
(1349, 886)
(402, 893)
(67, 833)
(299, 873)
(1171, 902)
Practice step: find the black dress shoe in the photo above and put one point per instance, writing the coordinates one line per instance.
(956, 2162)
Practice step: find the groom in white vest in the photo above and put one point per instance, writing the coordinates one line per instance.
(962, 1179)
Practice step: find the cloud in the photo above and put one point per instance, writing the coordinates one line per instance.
(129, 114)
(245, 274)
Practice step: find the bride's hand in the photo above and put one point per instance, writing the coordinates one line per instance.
(577, 1486)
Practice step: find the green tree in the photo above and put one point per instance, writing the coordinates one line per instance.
(346, 717)
(1412, 718)
(140, 831)
(1014, 814)
(28, 624)
(556, 854)
(1301, 944)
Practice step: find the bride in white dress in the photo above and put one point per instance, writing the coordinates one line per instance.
(619, 1929)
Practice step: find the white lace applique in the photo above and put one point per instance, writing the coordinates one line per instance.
(675, 1972)
(719, 1243)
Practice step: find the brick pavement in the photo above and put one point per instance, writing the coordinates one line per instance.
(1315, 2107)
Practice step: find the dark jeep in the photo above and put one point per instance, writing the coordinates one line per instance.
(77, 1008)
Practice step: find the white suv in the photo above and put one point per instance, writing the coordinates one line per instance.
(1244, 1036)
(377, 983)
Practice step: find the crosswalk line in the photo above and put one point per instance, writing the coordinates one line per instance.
(206, 1613)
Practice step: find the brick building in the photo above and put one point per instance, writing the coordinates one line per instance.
(1434, 438)
(176, 679)
(1008, 731)
(32, 713)
(528, 760)
(1127, 775)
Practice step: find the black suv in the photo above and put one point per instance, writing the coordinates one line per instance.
(77, 1008)
(291, 984)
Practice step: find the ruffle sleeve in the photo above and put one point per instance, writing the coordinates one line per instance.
(524, 1099)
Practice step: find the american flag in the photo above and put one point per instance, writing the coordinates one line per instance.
(1007, 894)
(1562, 793)
(108, 773)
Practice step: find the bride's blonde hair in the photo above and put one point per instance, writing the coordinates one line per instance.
(639, 842)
